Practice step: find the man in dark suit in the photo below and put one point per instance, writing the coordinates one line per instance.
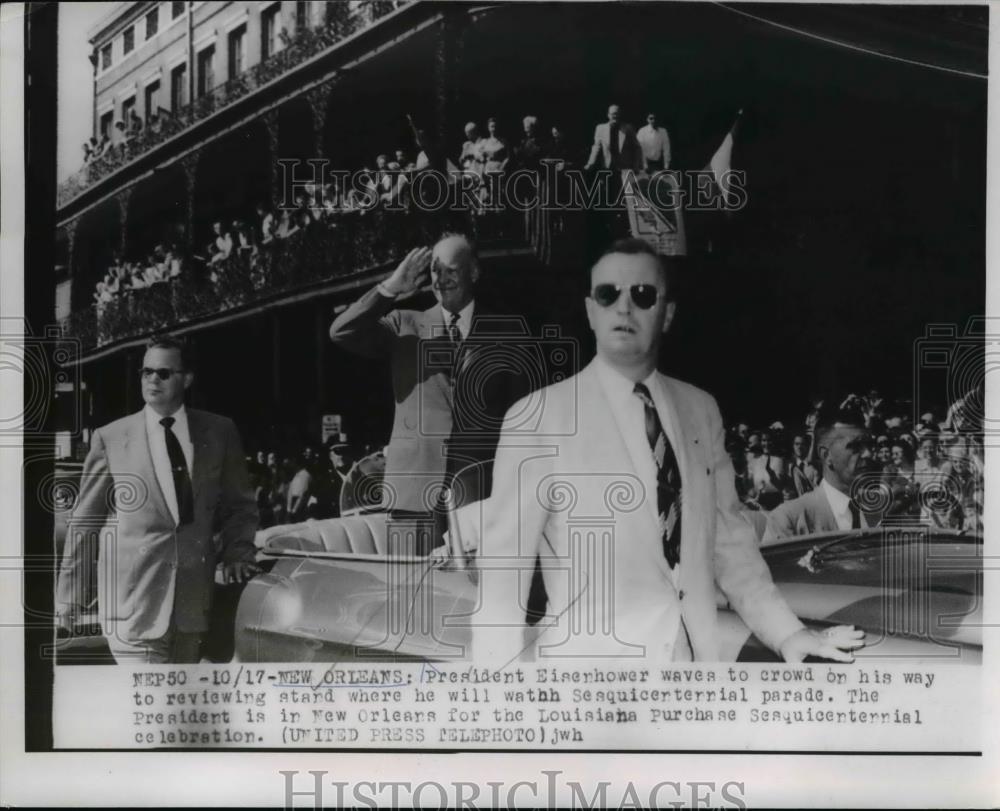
(615, 142)
(167, 491)
(451, 380)
(845, 454)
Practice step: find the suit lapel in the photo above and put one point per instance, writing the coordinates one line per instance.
(137, 444)
(604, 440)
(432, 328)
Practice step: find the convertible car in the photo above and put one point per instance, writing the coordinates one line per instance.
(346, 590)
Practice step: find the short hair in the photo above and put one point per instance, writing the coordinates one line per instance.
(530, 119)
(182, 346)
(829, 420)
(633, 246)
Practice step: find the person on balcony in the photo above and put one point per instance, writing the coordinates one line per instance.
(118, 138)
(530, 151)
(493, 157)
(266, 220)
(134, 124)
(286, 225)
(468, 159)
(223, 243)
(245, 244)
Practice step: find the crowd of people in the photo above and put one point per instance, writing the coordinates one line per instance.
(329, 482)
(929, 470)
(162, 266)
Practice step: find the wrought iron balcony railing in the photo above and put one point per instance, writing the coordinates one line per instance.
(343, 20)
(316, 256)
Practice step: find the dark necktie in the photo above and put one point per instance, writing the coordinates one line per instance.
(178, 467)
(855, 515)
(613, 145)
(454, 333)
(668, 479)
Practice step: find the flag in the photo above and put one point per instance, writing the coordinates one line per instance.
(722, 161)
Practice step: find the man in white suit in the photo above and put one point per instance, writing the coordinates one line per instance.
(166, 490)
(623, 489)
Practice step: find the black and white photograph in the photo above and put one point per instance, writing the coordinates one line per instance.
(430, 402)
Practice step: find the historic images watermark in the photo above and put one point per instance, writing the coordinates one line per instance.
(552, 187)
(549, 788)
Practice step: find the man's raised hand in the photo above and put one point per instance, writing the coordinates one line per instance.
(411, 273)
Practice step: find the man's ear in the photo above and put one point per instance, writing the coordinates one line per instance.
(188, 380)
(591, 306)
(668, 316)
(474, 275)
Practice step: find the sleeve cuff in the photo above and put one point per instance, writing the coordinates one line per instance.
(384, 291)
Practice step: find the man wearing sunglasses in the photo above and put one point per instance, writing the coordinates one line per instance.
(165, 495)
(625, 493)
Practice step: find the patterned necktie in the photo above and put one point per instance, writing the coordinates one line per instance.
(668, 479)
(454, 333)
(178, 467)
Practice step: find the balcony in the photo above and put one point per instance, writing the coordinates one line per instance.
(312, 259)
(343, 20)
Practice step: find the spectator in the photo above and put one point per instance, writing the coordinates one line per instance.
(405, 164)
(468, 159)
(529, 152)
(615, 143)
(558, 148)
(493, 150)
(265, 218)
(805, 476)
(845, 453)
(655, 145)
(118, 138)
(301, 488)
(768, 474)
(245, 245)
(222, 243)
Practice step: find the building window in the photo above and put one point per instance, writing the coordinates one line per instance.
(206, 79)
(152, 99)
(106, 57)
(176, 9)
(128, 107)
(301, 14)
(237, 50)
(105, 123)
(152, 23)
(269, 41)
(178, 82)
(128, 40)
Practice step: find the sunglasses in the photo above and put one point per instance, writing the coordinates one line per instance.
(162, 373)
(643, 296)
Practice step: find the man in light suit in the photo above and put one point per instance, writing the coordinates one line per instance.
(845, 453)
(615, 142)
(451, 390)
(805, 475)
(168, 493)
(625, 491)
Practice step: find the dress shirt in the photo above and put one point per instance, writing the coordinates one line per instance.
(464, 322)
(655, 144)
(157, 437)
(840, 504)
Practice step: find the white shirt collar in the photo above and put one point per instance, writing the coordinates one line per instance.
(840, 504)
(153, 417)
(616, 383)
(464, 318)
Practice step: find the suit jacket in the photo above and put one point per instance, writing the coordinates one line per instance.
(806, 479)
(448, 412)
(801, 516)
(568, 492)
(629, 151)
(152, 570)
